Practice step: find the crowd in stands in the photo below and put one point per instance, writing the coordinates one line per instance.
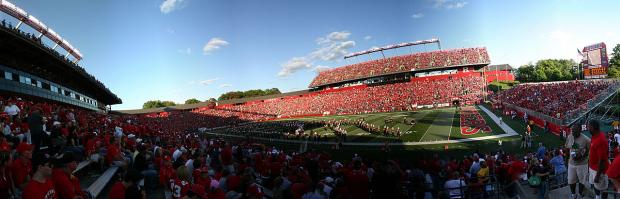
(154, 156)
(383, 98)
(35, 39)
(403, 63)
(553, 99)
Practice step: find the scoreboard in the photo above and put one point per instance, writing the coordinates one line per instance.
(595, 61)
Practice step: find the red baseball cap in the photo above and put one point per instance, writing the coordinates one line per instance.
(23, 146)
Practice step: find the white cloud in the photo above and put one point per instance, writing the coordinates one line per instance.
(332, 51)
(171, 5)
(321, 68)
(185, 51)
(170, 31)
(214, 44)
(207, 82)
(333, 46)
(368, 37)
(450, 4)
(225, 85)
(417, 15)
(333, 37)
(293, 65)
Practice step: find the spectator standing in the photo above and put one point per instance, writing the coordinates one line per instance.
(598, 160)
(559, 168)
(542, 171)
(455, 186)
(541, 152)
(35, 122)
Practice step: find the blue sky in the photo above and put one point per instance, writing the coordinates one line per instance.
(181, 49)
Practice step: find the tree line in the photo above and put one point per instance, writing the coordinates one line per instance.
(225, 96)
(562, 69)
(249, 93)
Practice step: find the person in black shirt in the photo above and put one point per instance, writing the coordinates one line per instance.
(141, 163)
(35, 123)
(542, 171)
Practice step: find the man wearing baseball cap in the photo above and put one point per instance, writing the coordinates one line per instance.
(21, 168)
(67, 185)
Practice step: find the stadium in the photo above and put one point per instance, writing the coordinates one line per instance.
(404, 119)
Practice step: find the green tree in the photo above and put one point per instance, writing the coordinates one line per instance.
(211, 100)
(168, 103)
(157, 104)
(248, 93)
(614, 63)
(152, 104)
(547, 70)
(192, 101)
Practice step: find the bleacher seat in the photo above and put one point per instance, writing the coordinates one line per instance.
(98, 186)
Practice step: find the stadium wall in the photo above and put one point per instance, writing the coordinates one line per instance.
(553, 128)
(498, 75)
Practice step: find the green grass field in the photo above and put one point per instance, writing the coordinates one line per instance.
(431, 125)
(425, 121)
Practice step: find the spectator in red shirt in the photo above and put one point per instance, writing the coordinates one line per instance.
(67, 185)
(180, 185)
(614, 173)
(114, 156)
(21, 168)
(358, 180)
(40, 186)
(131, 179)
(599, 159)
(6, 183)
(226, 158)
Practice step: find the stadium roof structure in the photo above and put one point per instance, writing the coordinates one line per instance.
(498, 67)
(23, 17)
(28, 55)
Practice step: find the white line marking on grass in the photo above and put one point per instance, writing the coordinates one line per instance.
(452, 123)
(429, 127)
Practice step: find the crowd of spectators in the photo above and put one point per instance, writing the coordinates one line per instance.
(403, 63)
(383, 98)
(365, 99)
(155, 156)
(553, 99)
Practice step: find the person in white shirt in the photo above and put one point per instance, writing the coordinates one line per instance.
(12, 110)
(455, 186)
(617, 137)
(177, 153)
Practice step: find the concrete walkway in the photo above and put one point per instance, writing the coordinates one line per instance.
(508, 132)
(495, 119)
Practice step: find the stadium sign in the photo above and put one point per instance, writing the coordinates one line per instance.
(594, 61)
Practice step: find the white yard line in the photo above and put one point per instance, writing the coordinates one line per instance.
(437, 122)
(452, 123)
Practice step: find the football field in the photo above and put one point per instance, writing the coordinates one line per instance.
(430, 125)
